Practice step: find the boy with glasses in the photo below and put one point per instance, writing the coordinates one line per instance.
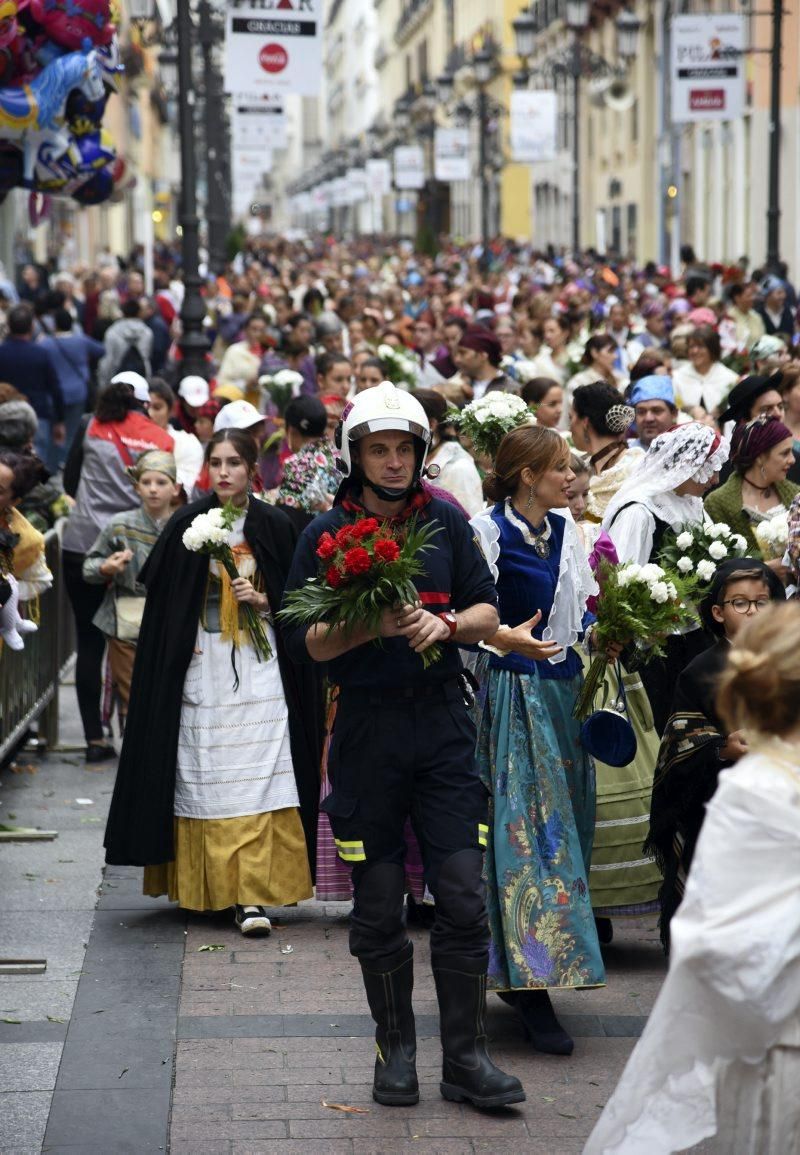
(696, 746)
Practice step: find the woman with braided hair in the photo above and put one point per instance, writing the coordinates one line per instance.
(719, 1058)
(599, 422)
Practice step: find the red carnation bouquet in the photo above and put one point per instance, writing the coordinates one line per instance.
(365, 568)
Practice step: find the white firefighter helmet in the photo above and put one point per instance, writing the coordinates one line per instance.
(382, 407)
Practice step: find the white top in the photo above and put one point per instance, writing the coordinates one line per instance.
(459, 476)
(234, 751)
(709, 389)
(733, 988)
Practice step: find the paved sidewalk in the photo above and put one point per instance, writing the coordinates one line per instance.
(144, 1042)
(266, 1035)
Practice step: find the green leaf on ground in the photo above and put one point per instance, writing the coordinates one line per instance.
(14, 1022)
(53, 1019)
(208, 946)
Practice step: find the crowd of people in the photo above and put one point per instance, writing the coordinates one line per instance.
(348, 387)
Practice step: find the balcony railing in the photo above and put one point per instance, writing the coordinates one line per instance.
(414, 14)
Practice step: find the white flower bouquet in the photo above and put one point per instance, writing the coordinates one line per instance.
(520, 369)
(699, 547)
(772, 536)
(281, 387)
(487, 421)
(211, 533)
(641, 604)
(399, 366)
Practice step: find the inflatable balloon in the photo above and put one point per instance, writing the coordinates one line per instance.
(70, 22)
(34, 114)
(85, 157)
(59, 61)
(96, 189)
(16, 59)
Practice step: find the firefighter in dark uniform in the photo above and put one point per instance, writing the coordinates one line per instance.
(404, 744)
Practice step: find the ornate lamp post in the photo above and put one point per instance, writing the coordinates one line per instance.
(575, 63)
(193, 343)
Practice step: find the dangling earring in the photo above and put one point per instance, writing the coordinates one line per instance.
(763, 472)
(531, 495)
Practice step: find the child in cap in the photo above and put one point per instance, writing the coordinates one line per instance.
(117, 557)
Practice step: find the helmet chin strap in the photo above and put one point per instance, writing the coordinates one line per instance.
(390, 494)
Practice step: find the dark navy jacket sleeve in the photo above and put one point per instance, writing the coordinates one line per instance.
(53, 387)
(473, 583)
(305, 564)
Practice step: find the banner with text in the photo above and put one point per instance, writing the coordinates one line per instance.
(379, 177)
(451, 154)
(534, 124)
(258, 122)
(356, 185)
(708, 67)
(409, 166)
(273, 48)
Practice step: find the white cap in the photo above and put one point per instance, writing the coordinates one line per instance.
(141, 390)
(237, 415)
(194, 390)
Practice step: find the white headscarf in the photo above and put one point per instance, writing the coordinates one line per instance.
(690, 452)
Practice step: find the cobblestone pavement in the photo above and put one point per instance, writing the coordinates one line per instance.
(142, 1041)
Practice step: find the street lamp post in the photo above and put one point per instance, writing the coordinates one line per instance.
(194, 343)
(774, 190)
(483, 67)
(574, 63)
(216, 195)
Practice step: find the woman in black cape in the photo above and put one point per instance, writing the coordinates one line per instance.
(142, 821)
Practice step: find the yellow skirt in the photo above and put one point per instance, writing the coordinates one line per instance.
(258, 859)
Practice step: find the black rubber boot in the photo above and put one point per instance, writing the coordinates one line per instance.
(539, 1021)
(467, 1071)
(389, 996)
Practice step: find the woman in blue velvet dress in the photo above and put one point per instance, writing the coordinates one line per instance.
(541, 780)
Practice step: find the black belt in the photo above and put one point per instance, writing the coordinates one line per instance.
(400, 694)
(461, 687)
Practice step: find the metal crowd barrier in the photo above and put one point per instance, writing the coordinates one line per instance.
(29, 678)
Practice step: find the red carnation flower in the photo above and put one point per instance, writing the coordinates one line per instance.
(386, 549)
(334, 576)
(345, 537)
(326, 546)
(365, 527)
(357, 561)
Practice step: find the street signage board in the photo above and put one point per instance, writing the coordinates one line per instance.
(451, 154)
(356, 179)
(258, 122)
(409, 166)
(708, 67)
(273, 46)
(533, 129)
(379, 177)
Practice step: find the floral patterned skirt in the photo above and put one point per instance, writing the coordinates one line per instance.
(541, 824)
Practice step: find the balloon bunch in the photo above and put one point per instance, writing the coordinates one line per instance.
(59, 60)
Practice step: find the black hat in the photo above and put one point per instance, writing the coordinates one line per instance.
(742, 396)
(307, 414)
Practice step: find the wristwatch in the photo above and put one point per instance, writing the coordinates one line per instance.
(450, 620)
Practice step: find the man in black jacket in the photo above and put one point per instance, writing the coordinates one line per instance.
(27, 366)
(404, 744)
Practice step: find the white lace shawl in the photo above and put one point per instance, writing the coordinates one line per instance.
(681, 454)
(575, 582)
